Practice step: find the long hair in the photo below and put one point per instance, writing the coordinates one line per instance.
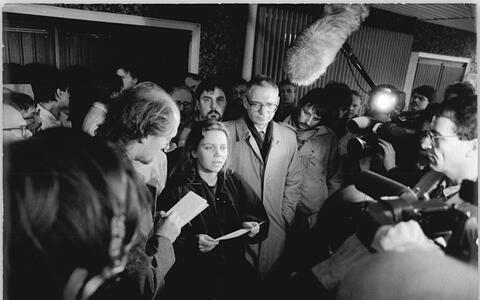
(74, 202)
(188, 163)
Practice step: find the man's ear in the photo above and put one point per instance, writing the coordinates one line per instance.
(194, 153)
(473, 148)
(245, 103)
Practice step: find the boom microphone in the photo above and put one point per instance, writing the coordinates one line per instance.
(378, 186)
(317, 47)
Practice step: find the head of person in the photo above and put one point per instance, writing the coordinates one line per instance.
(22, 102)
(14, 125)
(287, 92)
(192, 80)
(73, 205)
(239, 91)
(143, 120)
(355, 107)
(421, 97)
(183, 96)
(452, 143)
(206, 148)
(262, 100)
(128, 75)
(313, 110)
(50, 87)
(340, 96)
(211, 100)
(455, 89)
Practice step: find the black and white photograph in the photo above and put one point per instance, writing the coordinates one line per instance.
(243, 151)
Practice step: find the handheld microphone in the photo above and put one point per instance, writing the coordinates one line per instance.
(378, 186)
(317, 47)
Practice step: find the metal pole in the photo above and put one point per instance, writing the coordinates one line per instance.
(249, 42)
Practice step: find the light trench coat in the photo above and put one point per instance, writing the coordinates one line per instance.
(277, 182)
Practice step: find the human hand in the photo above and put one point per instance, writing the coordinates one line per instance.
(389, 154)
(401, 237)
(206, 243)
(254, 228)
(168, 226)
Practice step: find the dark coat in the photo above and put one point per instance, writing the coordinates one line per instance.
(213, 274)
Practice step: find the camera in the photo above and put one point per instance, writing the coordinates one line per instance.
(395, 132)
(436, 218)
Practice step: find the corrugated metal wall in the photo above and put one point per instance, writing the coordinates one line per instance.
(384, 54)
(23, 46)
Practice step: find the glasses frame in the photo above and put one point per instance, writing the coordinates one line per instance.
(252, 105)
(433, 138)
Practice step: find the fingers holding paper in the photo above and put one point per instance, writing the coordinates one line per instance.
(254, 228)
(206, 243)
(168, 226)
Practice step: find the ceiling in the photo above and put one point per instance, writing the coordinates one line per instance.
(456, 15)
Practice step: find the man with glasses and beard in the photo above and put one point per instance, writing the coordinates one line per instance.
(265, 154)
(318, 153)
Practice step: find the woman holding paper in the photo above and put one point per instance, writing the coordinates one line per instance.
(210, 265)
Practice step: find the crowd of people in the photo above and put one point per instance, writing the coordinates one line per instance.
(86, 197)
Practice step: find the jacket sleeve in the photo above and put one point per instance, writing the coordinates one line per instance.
(293, 182)
(253, 208)
(147, 271)
(335, 174)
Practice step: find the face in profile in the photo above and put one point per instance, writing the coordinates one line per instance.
(14, 126)
(150, 146)
(354, 109)
(261, 104)
(444, 148)
(212, 152)
(212, 104)
(128, 80)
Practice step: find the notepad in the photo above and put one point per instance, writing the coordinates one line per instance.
(189, 207)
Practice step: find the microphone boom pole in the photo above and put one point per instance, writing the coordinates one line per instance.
(347, 51)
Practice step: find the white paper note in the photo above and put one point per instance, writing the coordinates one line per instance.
(189, 207)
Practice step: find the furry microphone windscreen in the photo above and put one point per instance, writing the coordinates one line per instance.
(318, 45)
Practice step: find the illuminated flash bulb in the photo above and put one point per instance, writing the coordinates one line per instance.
(384, 102)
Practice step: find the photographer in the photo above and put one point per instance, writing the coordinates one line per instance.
(452, 150)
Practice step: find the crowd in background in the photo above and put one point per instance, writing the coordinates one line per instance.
(94, 163)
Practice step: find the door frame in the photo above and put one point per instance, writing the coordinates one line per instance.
(105, 17)
(412, 69)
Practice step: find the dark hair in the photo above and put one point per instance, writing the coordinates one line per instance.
(462, 111)
(45, 81)
(209, 85)
(260, 80)
(459, 89)
(187, 162)
(18, 100)
(426, 91)
(318, 99)
(339, 93)
(74, 202)
(238, 81)
(285, 82)
(144, 110)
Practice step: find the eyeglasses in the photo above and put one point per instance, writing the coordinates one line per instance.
(184, 103)
(257, 106)
(171, 146)
(433, 138)
(25, 133)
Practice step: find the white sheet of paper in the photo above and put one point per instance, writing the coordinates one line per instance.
(233, 234)
(189, 207)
